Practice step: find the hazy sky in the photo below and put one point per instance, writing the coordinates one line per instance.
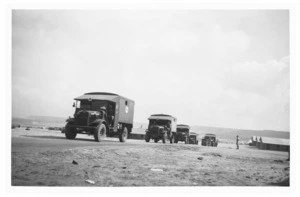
(206, 67)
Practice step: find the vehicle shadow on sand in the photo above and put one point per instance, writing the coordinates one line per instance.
(59, 137)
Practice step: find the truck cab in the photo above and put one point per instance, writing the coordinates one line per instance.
(161, 127)
(182, 133)
(101, 114)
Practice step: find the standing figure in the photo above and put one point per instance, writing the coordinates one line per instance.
(237, 142)
(207, 141)
(104, 113)
(168, 128)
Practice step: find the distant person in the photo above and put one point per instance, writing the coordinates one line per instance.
(207, 141)
(103, 108)
(104, 113)
(168, 128)
(237, 142)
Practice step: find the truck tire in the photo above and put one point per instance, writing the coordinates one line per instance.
(70, 132)
(155, 140)
(164, 139)
(147, 138)
(123, 135)
(171, 139)
(175, 140)
(100, 133)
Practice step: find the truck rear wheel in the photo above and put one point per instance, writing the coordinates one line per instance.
(100, 133)
(155, 140)
(123, 135)
(70, 132)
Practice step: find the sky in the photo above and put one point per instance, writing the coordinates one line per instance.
(221, 68)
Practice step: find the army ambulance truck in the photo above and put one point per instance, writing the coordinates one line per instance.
(101, 114)
(182, 133)
(161, 127)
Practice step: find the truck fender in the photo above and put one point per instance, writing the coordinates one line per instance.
(70, 120)
(97, 122)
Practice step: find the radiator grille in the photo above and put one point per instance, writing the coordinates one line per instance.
(82, 118)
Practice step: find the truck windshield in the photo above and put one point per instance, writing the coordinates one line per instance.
(159, 122)
(210, 138)
(92, 105)
(182, 130)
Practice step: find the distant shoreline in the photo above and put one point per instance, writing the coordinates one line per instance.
(223, 133)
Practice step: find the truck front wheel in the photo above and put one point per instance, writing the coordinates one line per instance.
(70, 132)
(175, 140)
(100, 133)
(164, 138)
(171, 139)
(123, 135)
(147, 137)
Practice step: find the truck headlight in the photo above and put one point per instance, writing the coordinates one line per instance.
(119, 126)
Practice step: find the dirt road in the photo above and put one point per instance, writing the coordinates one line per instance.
(44, 158)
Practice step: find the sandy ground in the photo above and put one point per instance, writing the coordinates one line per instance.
(44, 158)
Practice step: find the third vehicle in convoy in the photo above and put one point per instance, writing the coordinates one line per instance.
(194, 138)
(101, 114)
(182, 133)
(209, 140)
(161, 127)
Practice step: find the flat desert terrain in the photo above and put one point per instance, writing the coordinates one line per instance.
(45, 158)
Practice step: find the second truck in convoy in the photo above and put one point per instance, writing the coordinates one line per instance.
(182, 133)
(161, 127)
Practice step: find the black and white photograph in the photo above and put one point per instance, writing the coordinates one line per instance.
(150, 97)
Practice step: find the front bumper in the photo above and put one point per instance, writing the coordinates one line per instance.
(181, 137)
(82, 127)
(156, 135)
